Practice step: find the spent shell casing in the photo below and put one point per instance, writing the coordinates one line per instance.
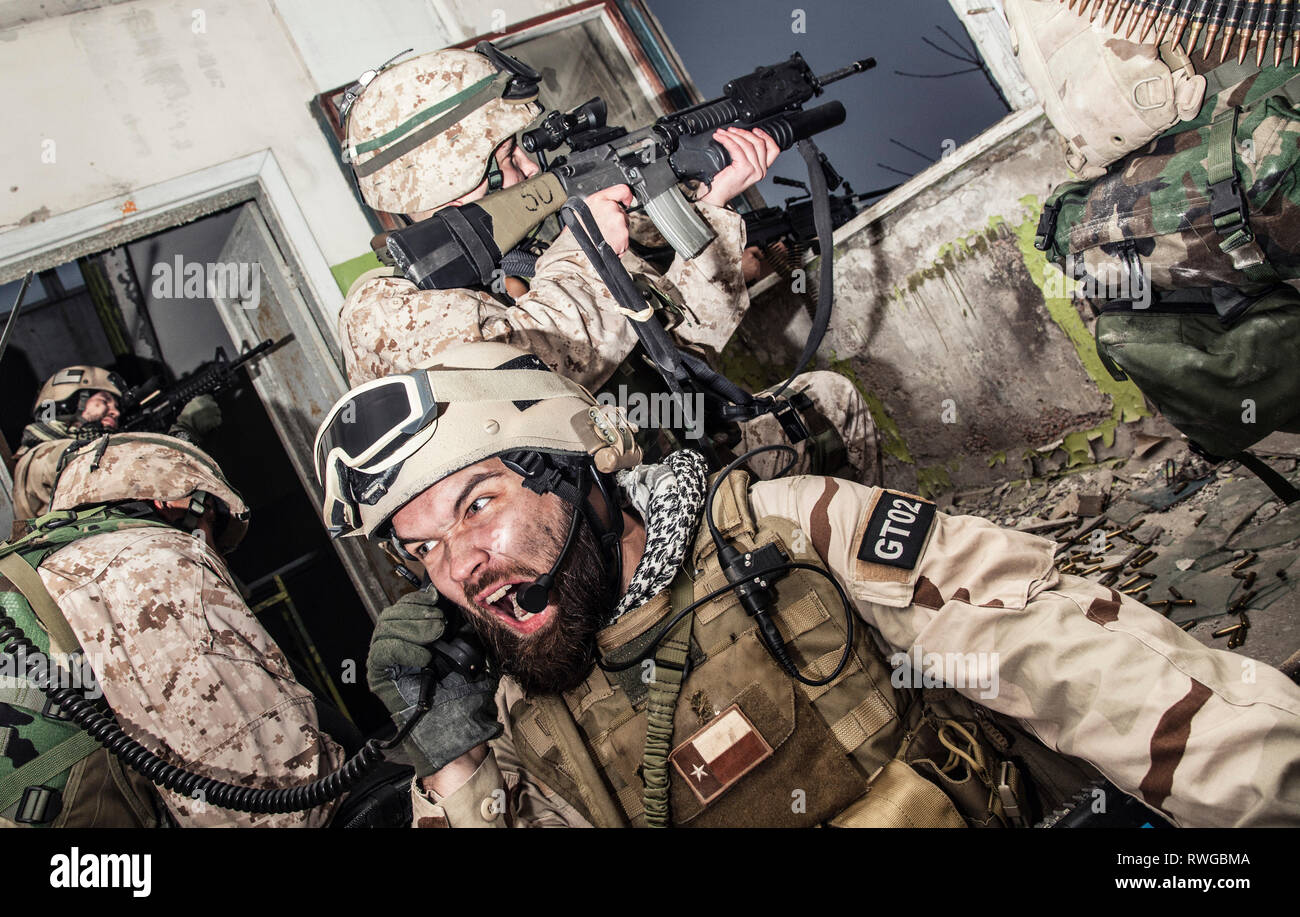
(1175, 593)
(1188, 625)
(1180, 601)
(1129, 582)
(1246, 561)
(1243, 601)
(1224, 631)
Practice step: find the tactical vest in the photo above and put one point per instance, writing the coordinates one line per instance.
(753, 747)
(52, 773)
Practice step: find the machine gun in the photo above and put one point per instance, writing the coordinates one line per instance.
(792, 222)
(462, 246)
(152, 408)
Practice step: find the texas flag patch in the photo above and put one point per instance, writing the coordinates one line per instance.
(721, 753)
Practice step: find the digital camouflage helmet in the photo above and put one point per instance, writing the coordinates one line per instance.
(125, 467)
(421, 133)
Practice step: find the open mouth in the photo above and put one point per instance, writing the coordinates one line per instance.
(505, 602)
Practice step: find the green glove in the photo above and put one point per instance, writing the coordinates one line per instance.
(200, 415)
(462, 714)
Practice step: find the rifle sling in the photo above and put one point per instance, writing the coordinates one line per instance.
(821, 207)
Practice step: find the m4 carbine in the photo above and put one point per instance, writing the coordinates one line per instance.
(462, 246)
(151, 408)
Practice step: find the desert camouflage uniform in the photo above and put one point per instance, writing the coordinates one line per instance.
(570, 320)
(34, 474)
(1206, 736)
(187, 669)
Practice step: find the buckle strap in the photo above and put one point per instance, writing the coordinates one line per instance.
(25, 782)
(1227, 206)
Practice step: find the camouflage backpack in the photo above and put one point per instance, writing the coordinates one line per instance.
(1185, 248)
(52, 773)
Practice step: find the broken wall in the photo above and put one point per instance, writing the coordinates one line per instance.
(949, 321)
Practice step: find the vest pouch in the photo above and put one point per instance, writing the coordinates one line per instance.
(805, 780)
(950, 754)
(1158, 217)
(1225, 388)
(1105, 96)
(899, 797)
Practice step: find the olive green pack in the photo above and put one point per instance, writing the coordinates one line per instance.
(1185, 247)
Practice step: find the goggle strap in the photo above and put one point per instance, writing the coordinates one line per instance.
(501, 385)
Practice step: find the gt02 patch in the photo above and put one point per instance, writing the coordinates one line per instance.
(897, 530)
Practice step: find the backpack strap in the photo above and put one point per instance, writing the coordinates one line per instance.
(28, 582)
(1227, 205)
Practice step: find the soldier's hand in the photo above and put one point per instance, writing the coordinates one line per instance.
(462, 713)
(609, 208)
(200, 415)
(751, 153)
(402, 637)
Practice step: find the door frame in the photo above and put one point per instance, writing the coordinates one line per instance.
(255, 178)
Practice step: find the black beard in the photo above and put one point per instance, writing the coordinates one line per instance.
(559, 656)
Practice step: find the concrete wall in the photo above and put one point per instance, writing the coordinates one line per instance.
(103, 99)
(942, 319)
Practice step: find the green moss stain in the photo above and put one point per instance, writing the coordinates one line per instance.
(740, 365)
(932, 481)
(347, 272)
(891, 438)
(972, 244)
(1127, 400)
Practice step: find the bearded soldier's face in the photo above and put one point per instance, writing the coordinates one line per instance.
(101, 408)
(483, 537)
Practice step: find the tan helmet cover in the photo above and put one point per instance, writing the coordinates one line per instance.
(516, 409)
(147, 466)
(450, 164)
(72, 379)
(1104, 95)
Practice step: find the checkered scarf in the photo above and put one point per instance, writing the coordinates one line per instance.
(669, 498)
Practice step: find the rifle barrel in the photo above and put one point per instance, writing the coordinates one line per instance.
(858, 66)
(13, 313)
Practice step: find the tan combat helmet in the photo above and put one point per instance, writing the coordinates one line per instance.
(61, 388)
(421, 133)
(148, 466)
(389, 440)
